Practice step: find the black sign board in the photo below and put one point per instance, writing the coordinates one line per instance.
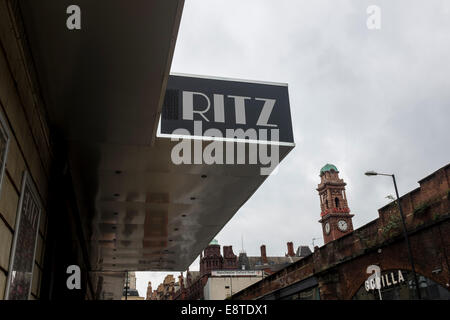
(218, 107)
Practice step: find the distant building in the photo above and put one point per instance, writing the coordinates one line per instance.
(130, 281)
(244, 270)
(129, 288)
(149, 291)
(165, 290)
(223, 284)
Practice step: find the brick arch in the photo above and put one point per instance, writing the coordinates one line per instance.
(387, 265)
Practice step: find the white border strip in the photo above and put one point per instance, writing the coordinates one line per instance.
(279, 84)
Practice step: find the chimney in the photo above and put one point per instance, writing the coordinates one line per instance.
(290, 247)
(228, 252)
(263, 254)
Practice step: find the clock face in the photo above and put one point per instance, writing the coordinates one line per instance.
(342, 225)
(327, 227)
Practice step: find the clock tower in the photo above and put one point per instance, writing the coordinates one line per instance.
(335, 214)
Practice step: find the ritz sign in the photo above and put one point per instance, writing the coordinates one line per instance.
(225, 105)
(252, 117)
(380, 281)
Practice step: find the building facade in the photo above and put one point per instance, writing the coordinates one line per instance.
(26, 159)
(165, 291)
(371, 262)
(222, 285)
(129, 288)
(207, 283)
(45, 212)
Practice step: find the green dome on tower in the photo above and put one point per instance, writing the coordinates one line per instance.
(328, 167)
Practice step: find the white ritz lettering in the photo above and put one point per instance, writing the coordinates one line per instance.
(219, 110)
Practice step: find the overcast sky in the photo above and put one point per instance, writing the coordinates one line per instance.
(360, 99)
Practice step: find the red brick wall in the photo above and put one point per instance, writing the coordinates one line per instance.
(340, 266)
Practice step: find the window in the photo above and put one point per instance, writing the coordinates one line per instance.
(4, 144)
(336, 201)
(21, 266)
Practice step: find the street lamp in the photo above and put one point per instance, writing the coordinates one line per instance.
(405, 233)
(126, 287)
(313, 241)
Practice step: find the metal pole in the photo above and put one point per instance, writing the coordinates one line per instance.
(126, 287)
(231, 286)
(405, 233)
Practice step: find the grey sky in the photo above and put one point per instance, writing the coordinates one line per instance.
(360, 99)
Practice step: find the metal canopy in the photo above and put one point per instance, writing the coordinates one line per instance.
(109, 77)
(104, 87)
(154, 215)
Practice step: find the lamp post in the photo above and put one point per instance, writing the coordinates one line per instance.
(126, 287)
(405, 233)
(313, 241)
